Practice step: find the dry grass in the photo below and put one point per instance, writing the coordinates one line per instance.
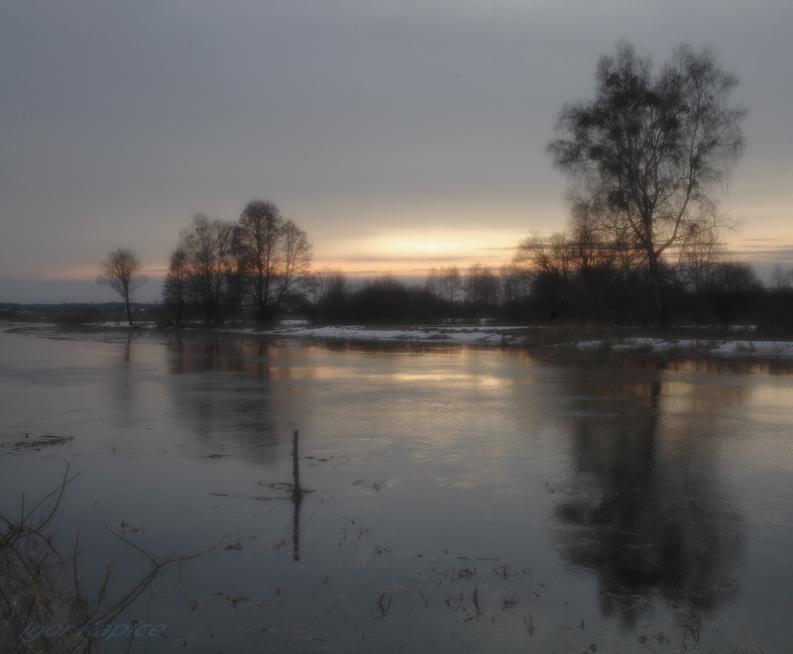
(40, 586)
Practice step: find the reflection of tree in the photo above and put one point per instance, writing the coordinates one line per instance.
(644, 511)
(128, 349)
(246, 410)
(221, 389)
(124, 390)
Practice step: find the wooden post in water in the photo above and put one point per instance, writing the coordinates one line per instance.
(296, 489)
(297, 497)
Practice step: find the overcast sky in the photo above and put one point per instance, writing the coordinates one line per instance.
(400, 134)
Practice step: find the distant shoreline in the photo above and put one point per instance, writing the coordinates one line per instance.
(555, 342)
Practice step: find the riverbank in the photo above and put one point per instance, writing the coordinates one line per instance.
(586, 342)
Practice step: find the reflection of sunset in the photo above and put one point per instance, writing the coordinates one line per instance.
(446, 379)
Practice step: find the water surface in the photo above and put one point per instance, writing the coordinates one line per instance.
(456, 498)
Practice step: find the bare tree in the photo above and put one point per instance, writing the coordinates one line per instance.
(482, 287)
(594, 221)
(781, 278)
(432, 282)
(445, 283)
(273, 255)
(175, 290)
(331, 283)
(734, 288)
(549, 256)
(450, 283)
(208, 248)
(515, 283)
(256, 246)
(121, 271)
(651, 149)
(698, 260)
(294, 262)
(332, 293)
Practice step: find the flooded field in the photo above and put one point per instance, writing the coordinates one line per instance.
(442, 498)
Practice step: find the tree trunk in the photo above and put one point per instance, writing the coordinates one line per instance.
(659, 307)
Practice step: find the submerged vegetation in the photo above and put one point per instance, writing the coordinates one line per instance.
(46, 605)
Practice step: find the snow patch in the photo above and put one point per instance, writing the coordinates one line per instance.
(716, 347)
(430, 334)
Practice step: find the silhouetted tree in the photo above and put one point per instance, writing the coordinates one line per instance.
(388, 300)
(777, 314)
(273, 254)
(175, 290)
(208, 248)
(431, 283)
(450, 283)
(578, 274)
(578, 251)
(332, 296)
(121, 271)
(734, 290)
(781, 278)
(698, 260)
(481, 288)
(295, 260)
(515, 284)
(445, 283)
(648, 152)
(551, 256)
(515, 293)
(255, 242)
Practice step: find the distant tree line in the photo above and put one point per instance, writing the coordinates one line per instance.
(579, 276)
(567, 278)
(645, 158)
(258, 269)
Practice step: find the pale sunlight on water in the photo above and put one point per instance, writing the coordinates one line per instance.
(456, 499)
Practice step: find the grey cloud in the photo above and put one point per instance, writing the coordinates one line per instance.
(121, 119)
